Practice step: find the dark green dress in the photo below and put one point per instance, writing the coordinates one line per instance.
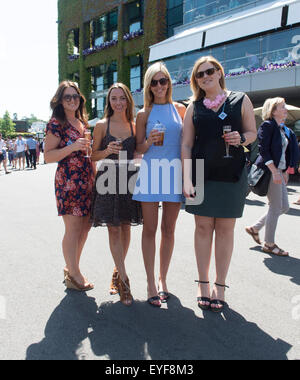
(225, 180)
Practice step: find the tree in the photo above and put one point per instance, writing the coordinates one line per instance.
(6, 125)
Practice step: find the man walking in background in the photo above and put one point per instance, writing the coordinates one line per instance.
(31, 147)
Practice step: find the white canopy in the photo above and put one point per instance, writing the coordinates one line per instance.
(256, 20)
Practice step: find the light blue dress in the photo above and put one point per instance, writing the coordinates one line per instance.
(160, 175)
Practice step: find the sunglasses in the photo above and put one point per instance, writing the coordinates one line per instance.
(162, 82)
(209, 72)
(68, 98)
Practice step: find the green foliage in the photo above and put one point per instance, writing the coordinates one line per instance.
(7, 126)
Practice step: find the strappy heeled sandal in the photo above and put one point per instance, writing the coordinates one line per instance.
(114, 283)
(154, 301)
(72, 284)
(217, 302)
(203, 299)
(124, 291)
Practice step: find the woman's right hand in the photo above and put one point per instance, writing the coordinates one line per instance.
(277, 178)
(113, 148)
(153, 137)
(80, 144)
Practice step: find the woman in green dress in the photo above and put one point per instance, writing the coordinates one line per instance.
(213, 111)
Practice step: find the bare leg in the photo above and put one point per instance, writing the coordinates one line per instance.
(224, 241)
(116, 248)
(203, 249)
(169, 218)
(125, 236)
(150, 216)
(86, 226)
(70, 244)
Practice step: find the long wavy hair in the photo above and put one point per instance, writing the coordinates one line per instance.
(198, 93)
(108, 112)
(58, 111)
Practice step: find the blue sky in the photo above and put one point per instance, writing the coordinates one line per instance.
(28, 56)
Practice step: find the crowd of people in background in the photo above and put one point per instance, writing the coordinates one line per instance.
(20, 153)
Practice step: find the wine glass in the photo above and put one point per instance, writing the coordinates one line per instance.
(227, 129)
(88, 136)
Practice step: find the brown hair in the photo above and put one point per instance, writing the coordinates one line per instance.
(108, 112)
(58, 111)
(198, 93)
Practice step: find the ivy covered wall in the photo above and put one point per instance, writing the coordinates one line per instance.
(77, 15)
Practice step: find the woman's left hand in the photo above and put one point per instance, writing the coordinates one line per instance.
(286, 177)
(232, 138)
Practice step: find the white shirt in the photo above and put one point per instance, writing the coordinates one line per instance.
(20, 145)
(2, 145)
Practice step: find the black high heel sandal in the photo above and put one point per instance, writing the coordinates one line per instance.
(218, 302)
(203, 299)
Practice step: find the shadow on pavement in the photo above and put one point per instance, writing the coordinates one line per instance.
(142, 332)
(286, 266)
(254, 202)
(294, 212)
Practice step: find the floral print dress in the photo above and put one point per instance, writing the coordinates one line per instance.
(74, 175)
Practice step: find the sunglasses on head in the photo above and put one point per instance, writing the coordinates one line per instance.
(211, 71)
(162, 82)
(68, 98)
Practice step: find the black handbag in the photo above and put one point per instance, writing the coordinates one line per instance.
(259, 180)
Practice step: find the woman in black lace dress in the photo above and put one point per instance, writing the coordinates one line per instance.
(112, 205)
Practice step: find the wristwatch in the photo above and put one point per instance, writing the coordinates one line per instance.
(243, 139)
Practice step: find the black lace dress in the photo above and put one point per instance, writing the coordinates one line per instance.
(112, 203)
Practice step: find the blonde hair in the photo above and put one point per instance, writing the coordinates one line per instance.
(150, 73)
(198, 93)
(108, 112)
(270, 106)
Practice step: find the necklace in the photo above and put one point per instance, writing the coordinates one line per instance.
(214, 103)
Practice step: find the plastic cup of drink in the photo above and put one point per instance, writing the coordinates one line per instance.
(162, 130)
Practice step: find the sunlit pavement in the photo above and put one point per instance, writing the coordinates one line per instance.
(39, 319)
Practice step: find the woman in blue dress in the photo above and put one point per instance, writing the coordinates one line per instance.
(160, 174)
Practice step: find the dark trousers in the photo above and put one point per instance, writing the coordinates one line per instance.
(32, 157)
(27, 159)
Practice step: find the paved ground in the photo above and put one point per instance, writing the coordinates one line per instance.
(39, 319)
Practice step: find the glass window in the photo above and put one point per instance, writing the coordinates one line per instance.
(135, 27)
(244, 55)
(100, 102)
(174, 15)
(73, 42)
(111, 75)
(112, 26)
(200, 9)
(105, 28)
(135, 14)
(99, 28)
(279, 47)
(136, 70)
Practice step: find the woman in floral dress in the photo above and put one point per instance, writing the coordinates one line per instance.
(65, 144)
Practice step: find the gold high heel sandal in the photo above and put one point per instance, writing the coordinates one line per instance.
(124, 291)
(72, 284)
(114, 283)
